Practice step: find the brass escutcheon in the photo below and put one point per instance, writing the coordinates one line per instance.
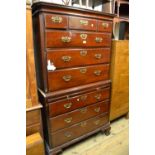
(68, 134)
(83, 22)
(68, 120)
(65, 39)
(97, 109)
(83, 110)
(67, 105)
(83, 70)
(98, 39)
(83, 36)
(83, 124)
(67, 78)
(66, 58)
(83, 53)
(97, 122)
(97, 72)
(98, 56)
(98, 96)
(105, 25)
(56, 19)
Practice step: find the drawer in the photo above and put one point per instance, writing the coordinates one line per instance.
(76, 39)
(66, 78)
(72, 103)
(62, 58)
(68, 119)
(104, 26)
(82, 23)
(78, 130)
(56, 21)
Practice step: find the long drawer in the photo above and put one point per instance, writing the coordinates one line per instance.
(76, 39)
(72, 103)
(66, 78)
(68, 119)
(62, 58)
(78, 130)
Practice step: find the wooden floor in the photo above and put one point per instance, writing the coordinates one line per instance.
(114, 144)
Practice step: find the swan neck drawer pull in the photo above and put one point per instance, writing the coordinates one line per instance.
(97, 72)
(67, 78)
(98, 96)
(68, 120)
(67, 105)
(56, 19)
(83, 36)
(98, 56)
(84, 22)
(66, 58)
(65, 39)
(98, 39)
(97, 109)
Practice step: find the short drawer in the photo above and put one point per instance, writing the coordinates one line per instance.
(56, 21)
(72, 103)
(68, 119)
(104, 26)
(82, 23)
(77, 130)
(67, 78)
(62, 58)
(76, 39)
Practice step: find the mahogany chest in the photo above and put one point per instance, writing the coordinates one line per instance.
(72, 54)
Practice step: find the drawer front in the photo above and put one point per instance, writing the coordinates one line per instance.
(78, 130)
(76, 39)
(56, 21)
(68, 119)
(104, 26)
(66, 78)
(82, 23)
(78, 57)
(73, 103)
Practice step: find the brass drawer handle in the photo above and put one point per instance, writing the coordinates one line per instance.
(98, 56)
(68, 134)
(83, 98)
(83, 70)
(97, 72)
(83, 124)
(97, 122)
(83, 53)
(83, 36)
(56, 19)
(98, 39)
(83, 110)
(65, 39)
(98, 96)
(67, 105)
(67, 78)
(97, 109)
(105, 25)
(66, 58)
(84, 22)
(68, 120)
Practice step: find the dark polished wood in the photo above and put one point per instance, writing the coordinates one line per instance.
(66, 78)
(72, 50)
(62, 58)
(77, 102)
(73, 117)
(75, 39)
(78, 130)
